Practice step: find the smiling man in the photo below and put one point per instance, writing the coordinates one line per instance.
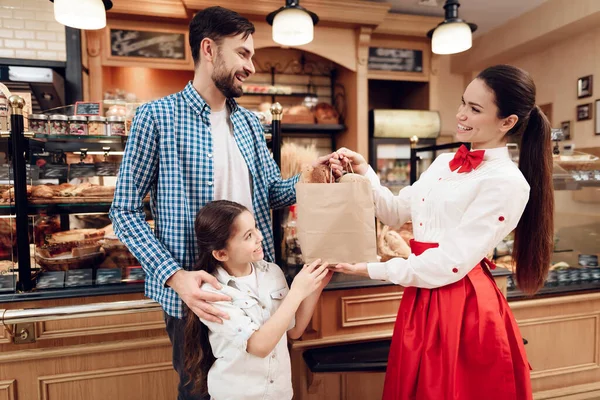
(188, 149)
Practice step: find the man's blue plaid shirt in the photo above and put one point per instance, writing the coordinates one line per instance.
(169, 152)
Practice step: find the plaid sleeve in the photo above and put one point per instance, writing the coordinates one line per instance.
(282, 192)
(138, 172)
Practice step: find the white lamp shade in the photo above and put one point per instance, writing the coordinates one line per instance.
(451, 38)
(293, 27)
(80, 14)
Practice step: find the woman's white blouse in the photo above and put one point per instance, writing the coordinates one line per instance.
(467, 214)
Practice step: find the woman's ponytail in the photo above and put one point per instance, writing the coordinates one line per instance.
(534, 235)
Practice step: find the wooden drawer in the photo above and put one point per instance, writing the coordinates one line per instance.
(355, 314)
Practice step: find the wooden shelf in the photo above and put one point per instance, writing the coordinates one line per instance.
(312, 128)
(282, 94)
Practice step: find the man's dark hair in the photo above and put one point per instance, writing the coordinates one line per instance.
(216, 23)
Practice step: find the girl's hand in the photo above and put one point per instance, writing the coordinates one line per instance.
(352, 269)
(326, 280)
(309, 279)
(358, 162)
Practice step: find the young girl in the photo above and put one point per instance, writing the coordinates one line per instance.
(246, 357)
(455, 336)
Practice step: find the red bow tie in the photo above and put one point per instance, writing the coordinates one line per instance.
(466, 160)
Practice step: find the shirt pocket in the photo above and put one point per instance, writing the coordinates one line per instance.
(277, 297)
(250, 307)
(279, 294)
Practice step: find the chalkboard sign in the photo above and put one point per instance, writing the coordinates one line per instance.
(147, 44)
(8, 283)
(588, 260)
(82, 170)
(405, 60)
(107, 169)
(54, 171)
(108, 276)
(82, 108)
(51, 280)
(79, 277)
(7, 173)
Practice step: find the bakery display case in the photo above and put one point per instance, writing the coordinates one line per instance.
(54, 227)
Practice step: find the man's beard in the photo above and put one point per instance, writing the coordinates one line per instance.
(225, 82)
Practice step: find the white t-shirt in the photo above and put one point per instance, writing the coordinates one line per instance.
(250, 280)
(232, 178)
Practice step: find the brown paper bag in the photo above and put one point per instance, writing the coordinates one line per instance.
(336, 222)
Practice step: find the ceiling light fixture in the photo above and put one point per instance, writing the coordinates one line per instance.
(82, 14)
(453, 35)
(293, 25)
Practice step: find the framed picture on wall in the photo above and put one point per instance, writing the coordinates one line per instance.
(597, 131)
(566, 128)
(584, 87)
(584, 112)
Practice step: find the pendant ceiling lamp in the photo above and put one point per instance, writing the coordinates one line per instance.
(293, 25)
(82, 14)
(453, 35)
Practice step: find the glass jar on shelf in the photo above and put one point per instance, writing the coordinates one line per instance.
(38, 123)
(97, 125)
(59, 124)
(116, 126)
(78, 125)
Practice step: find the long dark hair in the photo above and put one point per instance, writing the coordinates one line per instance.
(514, 92)
(216, 23)
(214, 226)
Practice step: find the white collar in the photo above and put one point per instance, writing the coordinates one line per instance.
(495, 153)
(224, 278)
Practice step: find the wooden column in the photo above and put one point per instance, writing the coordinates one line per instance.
(93, 51)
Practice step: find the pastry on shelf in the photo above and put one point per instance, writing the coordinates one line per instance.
(75, 190)
(69, 249)
(9, 194)
(42, 192)
(390, 244)
(326, 114)
(6, 266)
(98, 191)
(76, 235)
(298, 115)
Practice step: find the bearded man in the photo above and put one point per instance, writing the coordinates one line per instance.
(188, 149)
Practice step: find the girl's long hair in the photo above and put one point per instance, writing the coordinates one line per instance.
(214, 226)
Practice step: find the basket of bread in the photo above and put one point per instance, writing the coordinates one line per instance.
(117, 255)
(577, 161)
(74, 249)
(63, 193)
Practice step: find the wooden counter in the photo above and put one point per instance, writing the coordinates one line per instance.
(563, 335)
(114, 357)
(129, 356)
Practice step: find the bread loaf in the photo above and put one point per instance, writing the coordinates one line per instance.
(42, 192)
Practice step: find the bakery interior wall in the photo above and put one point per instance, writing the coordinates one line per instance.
(557, 43)
(321, 58)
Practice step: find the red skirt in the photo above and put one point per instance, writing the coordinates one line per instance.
(458, 342)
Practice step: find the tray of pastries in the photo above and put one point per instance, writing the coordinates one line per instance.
(63, 193)
(73, 249)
